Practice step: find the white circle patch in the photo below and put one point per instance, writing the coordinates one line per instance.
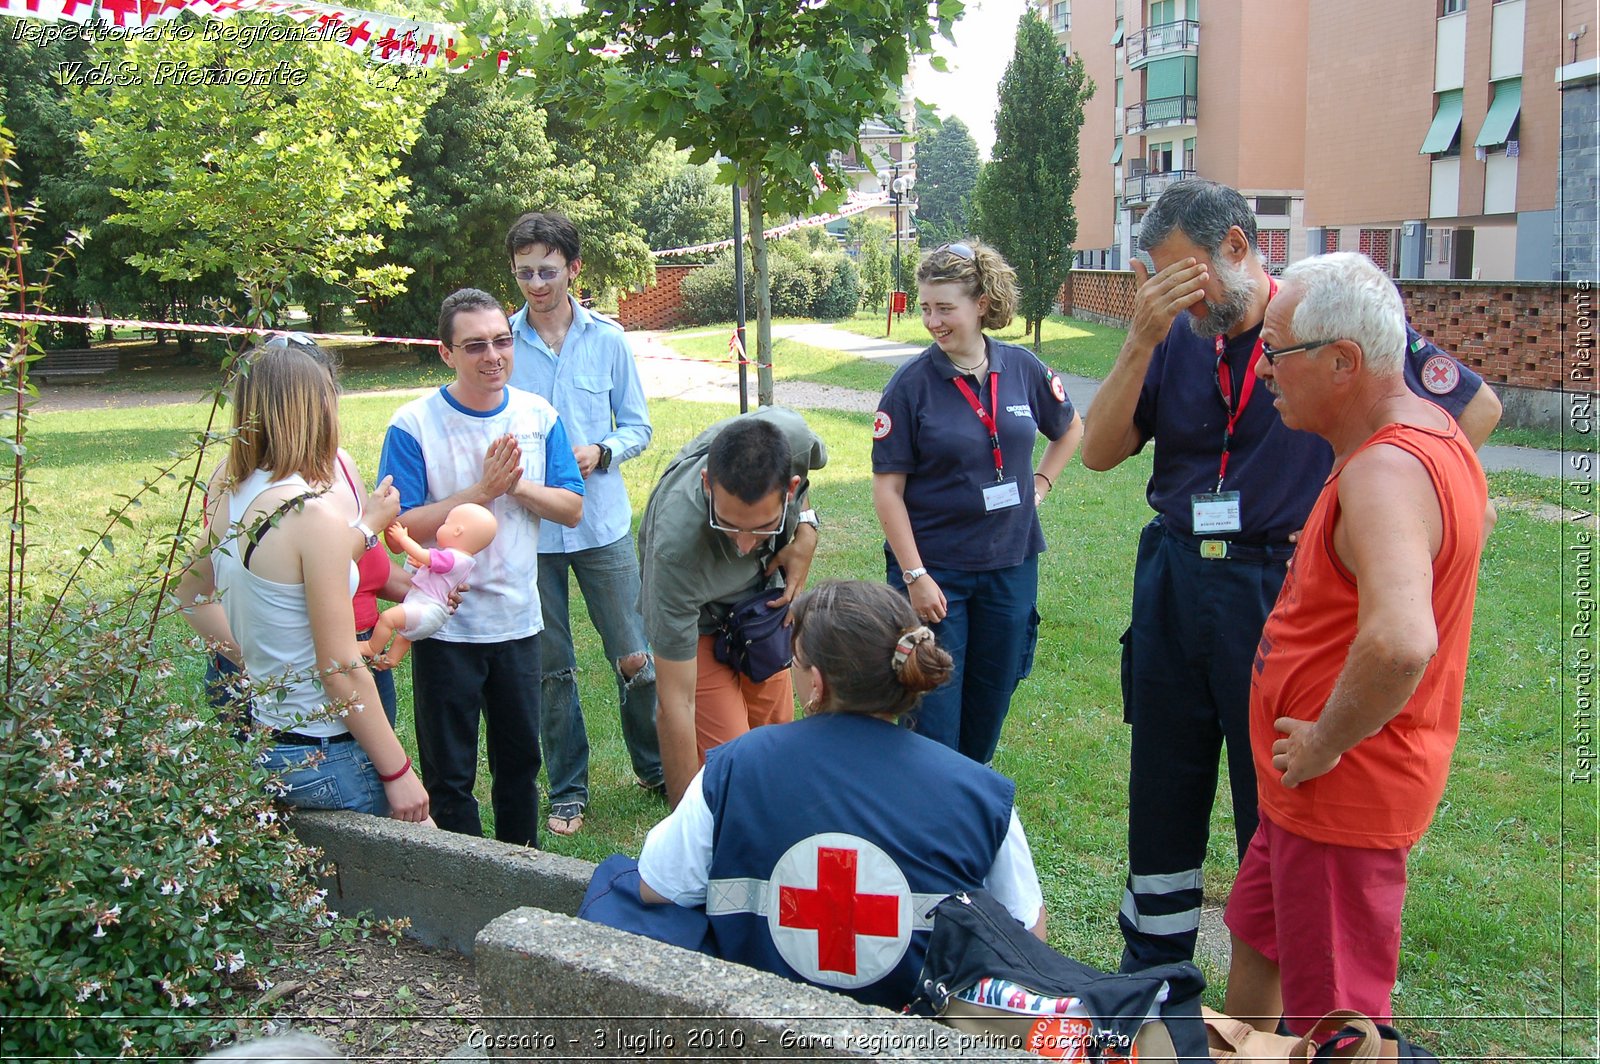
(1440, 375)
(1058, 389)
(839, 910)
(882, 424)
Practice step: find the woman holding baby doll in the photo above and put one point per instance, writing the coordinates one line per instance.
(274, 592)
(785, 821)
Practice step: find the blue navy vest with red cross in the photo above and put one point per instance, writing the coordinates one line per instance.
(834, 839)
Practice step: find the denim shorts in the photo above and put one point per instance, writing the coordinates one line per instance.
(325, 776)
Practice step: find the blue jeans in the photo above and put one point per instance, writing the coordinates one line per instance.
(609, 578)
(990, 630)
(341, 777)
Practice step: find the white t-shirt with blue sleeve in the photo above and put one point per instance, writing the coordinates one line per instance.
(434, 448)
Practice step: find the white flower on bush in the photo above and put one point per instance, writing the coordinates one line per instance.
(231, 961)
(88, 987)
(171, 886)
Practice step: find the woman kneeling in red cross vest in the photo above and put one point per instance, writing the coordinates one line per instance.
(819, 849)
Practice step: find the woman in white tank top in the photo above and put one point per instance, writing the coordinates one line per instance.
(282, 557)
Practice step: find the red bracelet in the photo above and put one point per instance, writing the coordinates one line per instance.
(402, 771)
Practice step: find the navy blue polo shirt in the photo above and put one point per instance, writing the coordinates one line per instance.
(926, 429)
(1278, 471)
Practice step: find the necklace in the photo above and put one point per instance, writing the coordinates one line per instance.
(971, 368)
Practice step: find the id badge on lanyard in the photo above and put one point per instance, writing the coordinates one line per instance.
(1219, 511)
(1004, 493)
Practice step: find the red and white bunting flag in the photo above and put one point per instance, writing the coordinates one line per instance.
(223, 9)
(360, 33)
(166, 10)
(816, 175)
(127, 14)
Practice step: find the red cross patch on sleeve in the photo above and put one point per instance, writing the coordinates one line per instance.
(882, 425)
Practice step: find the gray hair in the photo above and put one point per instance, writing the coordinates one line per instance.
(291, 1048)
(1344, 296)
(1201, 210)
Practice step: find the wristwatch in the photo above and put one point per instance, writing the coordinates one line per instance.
(911, 576)
(809, 517)
(605, 458)
(372, 537)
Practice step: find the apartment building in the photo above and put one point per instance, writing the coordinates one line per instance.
(1425, 133)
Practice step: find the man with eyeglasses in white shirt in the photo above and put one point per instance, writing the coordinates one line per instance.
(479, 440)
(582, 363)
(731, 517)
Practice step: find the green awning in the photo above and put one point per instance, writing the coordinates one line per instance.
(1116, 153)
(1116, 37)
(1446, 123)
(1502, 114)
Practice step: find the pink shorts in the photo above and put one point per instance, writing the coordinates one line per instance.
(1329, 918)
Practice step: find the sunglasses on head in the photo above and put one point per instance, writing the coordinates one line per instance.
(960, 251)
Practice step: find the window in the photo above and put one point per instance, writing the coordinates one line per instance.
(1061, 16)
(1274, 244)
(1330, 240)
(1160, 158)
(1374, 244)
(1500, 124)
(1444, 134)
(1452, 7)
(1275, 206)
(1188, 154)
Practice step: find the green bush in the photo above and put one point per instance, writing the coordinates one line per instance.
(145, 877)
(805, 284)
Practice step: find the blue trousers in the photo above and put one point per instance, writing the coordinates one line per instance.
(1186, 662)
(991, 630)
(609, 578)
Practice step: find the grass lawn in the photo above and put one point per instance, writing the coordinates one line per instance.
(1070, 345)
(1501, 913)
(791, 360)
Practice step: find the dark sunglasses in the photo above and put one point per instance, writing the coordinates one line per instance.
(1272, 354)
(479, 348)
(960, 251)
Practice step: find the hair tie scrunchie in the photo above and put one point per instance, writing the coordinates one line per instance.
(908, 643)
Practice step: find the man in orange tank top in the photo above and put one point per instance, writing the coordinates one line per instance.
(1355, 698)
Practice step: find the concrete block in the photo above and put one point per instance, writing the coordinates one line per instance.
(559, 989)
(448, 885)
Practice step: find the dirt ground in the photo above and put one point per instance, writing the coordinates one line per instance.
(378, 1000)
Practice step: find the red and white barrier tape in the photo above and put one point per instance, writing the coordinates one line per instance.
(234, 330)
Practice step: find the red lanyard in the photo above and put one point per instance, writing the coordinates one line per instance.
(989, 420)
(1225, 385)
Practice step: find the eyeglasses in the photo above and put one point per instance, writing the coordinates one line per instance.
(544, 273)
(291, 341)
(479, 348)
(1272, 354)
(712, 520)
(960, 251)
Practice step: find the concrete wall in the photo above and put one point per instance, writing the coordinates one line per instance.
(1574, 254)
(659, 306)
(559, 989)
(449, 885)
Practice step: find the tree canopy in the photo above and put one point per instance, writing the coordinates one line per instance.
(260, 182)
(947, 175)
(772, 87)
(686, 207)
(1024, 195)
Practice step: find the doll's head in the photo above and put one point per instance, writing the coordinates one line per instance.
(468, 528)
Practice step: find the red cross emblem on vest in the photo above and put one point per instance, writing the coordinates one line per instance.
(840, 911)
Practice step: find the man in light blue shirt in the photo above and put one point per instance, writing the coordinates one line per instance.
(581, 362)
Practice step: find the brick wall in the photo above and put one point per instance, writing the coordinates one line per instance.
(1511, 332)
(1105, 296)
(657, 307)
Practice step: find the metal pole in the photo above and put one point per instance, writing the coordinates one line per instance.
(894, 197)
(738, 299)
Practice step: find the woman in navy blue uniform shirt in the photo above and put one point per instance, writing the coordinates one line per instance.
(956, 492)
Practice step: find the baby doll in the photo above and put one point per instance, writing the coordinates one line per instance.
(467, 529)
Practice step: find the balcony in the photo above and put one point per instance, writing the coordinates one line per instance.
(1140, 189)
(1169, 38)
(1155, 114)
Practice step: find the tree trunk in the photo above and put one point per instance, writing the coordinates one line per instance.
(758, 249)
(1038, 334)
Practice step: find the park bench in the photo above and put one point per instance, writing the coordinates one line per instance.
(83, 363)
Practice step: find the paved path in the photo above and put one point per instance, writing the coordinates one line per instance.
(711, 382)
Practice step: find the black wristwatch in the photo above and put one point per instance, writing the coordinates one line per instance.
(605, 458)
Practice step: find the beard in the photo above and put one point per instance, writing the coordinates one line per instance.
(1225, 314)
